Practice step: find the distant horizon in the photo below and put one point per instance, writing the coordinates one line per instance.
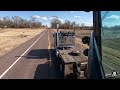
(46, 16)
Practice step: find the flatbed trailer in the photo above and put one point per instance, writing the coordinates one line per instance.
(71, 66)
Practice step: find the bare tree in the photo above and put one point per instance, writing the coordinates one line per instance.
(33, 20)
(1, 22)
(16, 20)
(54, 22)
(67, 24)
(72, 24)
(82, 25)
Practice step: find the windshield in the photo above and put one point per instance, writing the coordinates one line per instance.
(111, 42)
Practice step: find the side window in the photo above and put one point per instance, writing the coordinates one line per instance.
(111, 42)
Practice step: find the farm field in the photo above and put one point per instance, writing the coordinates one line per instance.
(111, 55)
(12, 38)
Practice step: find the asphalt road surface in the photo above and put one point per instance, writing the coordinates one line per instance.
(34, 59)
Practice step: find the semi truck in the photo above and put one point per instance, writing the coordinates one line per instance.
(69, 61)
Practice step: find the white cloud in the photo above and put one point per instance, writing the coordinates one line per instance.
(77, 16)
(88, 23)
(72, 11)
(114, 17)
(44, 18)
(36, 16)
(1, 18)
(51, 18)
(56, 18)
(61, 20)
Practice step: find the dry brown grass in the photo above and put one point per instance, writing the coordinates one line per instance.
(12, 38)
(82, 33)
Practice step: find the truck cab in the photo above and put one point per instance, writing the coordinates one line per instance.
(69, 61)
(63, 41)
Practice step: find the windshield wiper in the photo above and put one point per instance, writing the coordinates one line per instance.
(105, 15)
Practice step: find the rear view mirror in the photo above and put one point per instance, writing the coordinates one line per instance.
(86, 40)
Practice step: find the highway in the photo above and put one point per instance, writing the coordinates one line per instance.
(35, 59)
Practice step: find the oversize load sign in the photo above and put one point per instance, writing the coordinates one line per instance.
(66, 41)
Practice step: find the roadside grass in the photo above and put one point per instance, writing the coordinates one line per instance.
(111, 54)
(112, 43)
(12, 38)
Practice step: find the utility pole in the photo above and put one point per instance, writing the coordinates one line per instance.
(74, 28)
(57, 27)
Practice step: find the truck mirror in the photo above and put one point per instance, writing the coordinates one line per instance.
(85, 52)
(86, 40)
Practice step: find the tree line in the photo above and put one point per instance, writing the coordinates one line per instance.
(115, 27)
(19, 22)
(69, 25)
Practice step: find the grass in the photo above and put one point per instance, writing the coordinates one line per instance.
(112, 43)
(111, 54)
(111, 51)
(12, 38)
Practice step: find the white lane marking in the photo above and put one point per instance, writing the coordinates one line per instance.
(20, 57)
(108, 66)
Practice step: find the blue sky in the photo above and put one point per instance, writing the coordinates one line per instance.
(112, 18)
(46, 16)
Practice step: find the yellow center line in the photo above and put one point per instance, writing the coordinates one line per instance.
(49, 48)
